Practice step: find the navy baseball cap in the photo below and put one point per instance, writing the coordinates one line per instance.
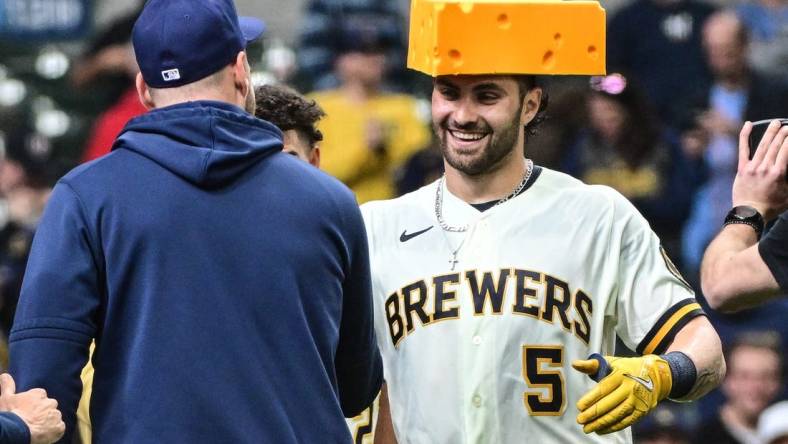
(178, 42)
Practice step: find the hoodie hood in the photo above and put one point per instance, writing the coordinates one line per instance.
(207, 143)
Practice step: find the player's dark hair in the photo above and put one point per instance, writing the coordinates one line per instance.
(289, 110)
(527, 83)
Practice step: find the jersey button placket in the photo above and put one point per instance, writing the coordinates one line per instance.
(479, 411)
(476, 401)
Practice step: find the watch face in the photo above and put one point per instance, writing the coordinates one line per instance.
(744, 211)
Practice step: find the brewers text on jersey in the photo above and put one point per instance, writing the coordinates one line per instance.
(434, 299)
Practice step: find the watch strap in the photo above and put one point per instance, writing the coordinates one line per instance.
(758, 230)
(754, 220)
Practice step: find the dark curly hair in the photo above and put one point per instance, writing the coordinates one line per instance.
(289, 110)
(527, 83)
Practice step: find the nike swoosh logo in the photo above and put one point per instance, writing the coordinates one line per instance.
(647, 383)
(404, 237)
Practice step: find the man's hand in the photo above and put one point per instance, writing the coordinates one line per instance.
(760, 182)
(632, 389)
(36, 410)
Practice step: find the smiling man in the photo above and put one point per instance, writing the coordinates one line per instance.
(491, 281)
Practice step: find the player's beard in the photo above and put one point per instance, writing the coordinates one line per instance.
(500, 144)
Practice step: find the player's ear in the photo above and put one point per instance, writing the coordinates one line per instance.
(314, 157)
(531, 102)
(144, 92)
(241, 72)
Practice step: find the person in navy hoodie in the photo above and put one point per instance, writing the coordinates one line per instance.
(226, 283)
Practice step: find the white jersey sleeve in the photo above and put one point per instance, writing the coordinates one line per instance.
(654, 301)
(362, 427)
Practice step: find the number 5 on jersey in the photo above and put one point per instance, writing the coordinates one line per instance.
(546, 392)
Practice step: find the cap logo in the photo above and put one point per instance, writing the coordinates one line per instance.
(170, 75)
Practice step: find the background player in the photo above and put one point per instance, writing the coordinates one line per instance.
(296, 116)
(492, 280)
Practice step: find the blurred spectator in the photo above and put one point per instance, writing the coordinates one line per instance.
(26, 147)
(768, 317)
(624, 147)
(669, 423)
(767, 21)
(563, 120)
(296, 116)
(279, 61)
(368, 133)
(424, 167)
(658, 42)
(753, 381)
(110, 58)
(15, 240)
(109, 124)
(714, 116)
(24, 189)
(773, 424)
(106, 57)
(320, 41)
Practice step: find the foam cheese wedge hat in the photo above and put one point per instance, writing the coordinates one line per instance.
(540, 37)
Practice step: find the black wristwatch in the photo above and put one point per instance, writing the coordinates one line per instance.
(745, 214)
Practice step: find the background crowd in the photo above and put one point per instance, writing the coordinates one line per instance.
(661, 128)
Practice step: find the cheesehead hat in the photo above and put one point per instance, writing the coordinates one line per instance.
(540, 37)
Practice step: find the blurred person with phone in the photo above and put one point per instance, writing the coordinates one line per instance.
(713, 118)
(740, 269)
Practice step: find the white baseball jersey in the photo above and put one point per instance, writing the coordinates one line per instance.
(482, 353)
(362, 427)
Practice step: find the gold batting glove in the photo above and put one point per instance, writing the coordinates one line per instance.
(631, 388)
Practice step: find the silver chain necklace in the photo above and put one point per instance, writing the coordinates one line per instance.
(463, 228)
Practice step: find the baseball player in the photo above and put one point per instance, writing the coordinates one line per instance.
(493, 284)
(297, 117)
